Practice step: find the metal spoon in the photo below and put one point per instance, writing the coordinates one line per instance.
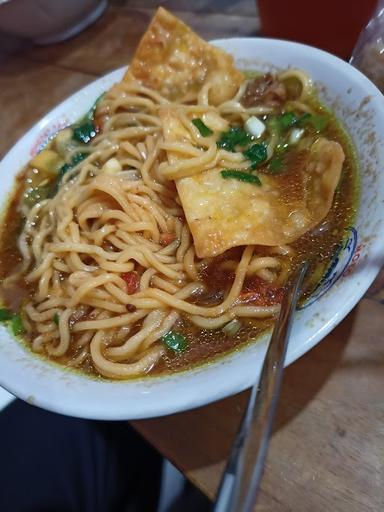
(241, 479)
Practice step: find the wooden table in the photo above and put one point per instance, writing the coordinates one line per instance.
(327, 449)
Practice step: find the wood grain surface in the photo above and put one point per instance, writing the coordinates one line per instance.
(327, 448)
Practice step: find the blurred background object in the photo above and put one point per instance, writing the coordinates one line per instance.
(48, 21)
(368, 54)
(332, 25)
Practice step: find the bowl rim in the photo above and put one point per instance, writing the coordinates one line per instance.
(150, 408)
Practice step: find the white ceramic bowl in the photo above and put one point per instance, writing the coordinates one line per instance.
(360, 106)
(49, 21)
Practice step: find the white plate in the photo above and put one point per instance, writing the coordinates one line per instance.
(360, 106)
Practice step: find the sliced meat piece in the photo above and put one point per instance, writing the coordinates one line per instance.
(264, 90)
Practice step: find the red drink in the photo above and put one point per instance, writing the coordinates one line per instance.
(333, 25)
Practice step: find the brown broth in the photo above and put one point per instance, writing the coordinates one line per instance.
(204, 345)
(317, 250)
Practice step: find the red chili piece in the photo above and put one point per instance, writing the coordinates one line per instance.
(167, 238)
(260, 293)
(131, 280)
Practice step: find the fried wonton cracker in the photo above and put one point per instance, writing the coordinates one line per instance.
(176, 62)
(224, 213)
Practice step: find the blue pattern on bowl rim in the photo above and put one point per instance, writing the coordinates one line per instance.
(337, 266)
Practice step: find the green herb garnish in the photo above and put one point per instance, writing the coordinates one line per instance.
(257, 154)
(235, 136)
(79, 157)
(275, 165)
(286, 120)
(15, 321)
(175, 341)
(240, 176)
(17, 325)
(90, 115)
(55, 318)
(202, 127)
(5, 314)
(84, 132)
(318, 122)
(63, 169)
(302, 120)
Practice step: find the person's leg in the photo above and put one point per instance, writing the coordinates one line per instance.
(53, 463)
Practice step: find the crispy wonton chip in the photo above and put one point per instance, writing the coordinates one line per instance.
(225, 213)
(176, 62)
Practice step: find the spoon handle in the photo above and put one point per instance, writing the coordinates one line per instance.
(241, 479)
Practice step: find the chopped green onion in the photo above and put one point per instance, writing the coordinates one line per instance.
(55, 318)
(232, 327)
(84, 132)
(318, 122)
(17, 325)
(16, 322)
(5, 314)
(275, 165)
(257, 154)
(241, 176)
(286, 120)
(63, 169)
(77, 158)
(235, 136)
(85, 129)
(203, 128)
(273, 126)
(90, 115)
(174, 341)
(304, 118)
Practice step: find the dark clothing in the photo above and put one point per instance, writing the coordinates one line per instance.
(54, 463)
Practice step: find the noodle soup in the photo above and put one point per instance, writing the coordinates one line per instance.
(161, 229)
